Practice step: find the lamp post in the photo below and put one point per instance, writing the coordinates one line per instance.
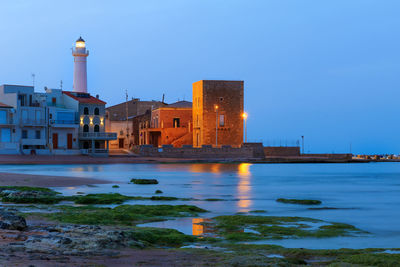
(302, 144)
(244, 116)
(216, 125)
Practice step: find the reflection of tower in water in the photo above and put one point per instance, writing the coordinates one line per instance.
(244, 187)
(200, 227)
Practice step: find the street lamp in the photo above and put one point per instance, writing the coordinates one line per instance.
(244, 116)
(216, 125)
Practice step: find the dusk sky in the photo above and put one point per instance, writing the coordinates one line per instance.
(328, 70)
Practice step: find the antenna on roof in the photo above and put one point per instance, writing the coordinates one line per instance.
(33, 80)
(163, 96)
(127, 123)
(61, 85)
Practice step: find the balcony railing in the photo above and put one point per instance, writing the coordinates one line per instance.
(8, 121)
(98, 136)
(32, 122)
(63, 122)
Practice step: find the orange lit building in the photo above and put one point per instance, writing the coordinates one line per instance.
(217, 113)
(169, 125)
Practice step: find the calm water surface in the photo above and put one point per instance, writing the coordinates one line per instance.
(368, 195)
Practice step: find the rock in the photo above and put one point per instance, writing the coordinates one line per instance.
(11, 221)
(144, 181)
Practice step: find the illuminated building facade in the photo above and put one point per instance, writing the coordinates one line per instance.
(217, 113)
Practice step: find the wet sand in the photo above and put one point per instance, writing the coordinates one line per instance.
(16, 179)
(127, 257)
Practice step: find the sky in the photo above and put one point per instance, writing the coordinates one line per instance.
(325, 70)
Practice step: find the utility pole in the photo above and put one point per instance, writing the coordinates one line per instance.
(244, 116)
(33, 80)
(302, 144)
(127, 122)
(216, 125)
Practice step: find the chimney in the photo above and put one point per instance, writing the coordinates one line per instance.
(97, 96)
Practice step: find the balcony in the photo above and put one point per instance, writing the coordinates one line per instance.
(32, 122)
(98, 136)
(64, 123)
(7, 122)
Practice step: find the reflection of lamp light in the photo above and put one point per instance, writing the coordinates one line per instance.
(244, 169)
(244, 189)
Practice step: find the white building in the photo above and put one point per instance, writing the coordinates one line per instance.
(56, 121)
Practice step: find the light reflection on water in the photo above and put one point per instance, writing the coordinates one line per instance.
(244, 187)
(368, 193)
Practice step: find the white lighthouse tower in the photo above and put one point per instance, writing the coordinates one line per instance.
(80, 74)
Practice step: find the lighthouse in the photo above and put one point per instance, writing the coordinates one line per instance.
(80, 74)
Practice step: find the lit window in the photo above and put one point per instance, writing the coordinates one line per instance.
(221, 120)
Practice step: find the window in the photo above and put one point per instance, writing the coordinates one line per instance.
(38, 116)
(37, 134)
(96, 111)
(24, 134)
(85, 128)
(22, 100)
(54, 100)
(5, 135)
(3, 117)
(86, 111)
(96, 128)
(221, 120)
(176, 123)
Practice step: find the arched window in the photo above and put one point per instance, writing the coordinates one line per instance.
(96, 111)
(85, 128)
(96, 128)
(86, 111)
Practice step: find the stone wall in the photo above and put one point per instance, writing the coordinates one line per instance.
(204, 152)
(280, 151)
(344, 156)
(228, 96)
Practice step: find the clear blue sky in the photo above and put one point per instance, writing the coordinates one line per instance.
(328, 70)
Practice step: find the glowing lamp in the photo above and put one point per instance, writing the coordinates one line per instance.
(91, 120)
(244, 115)
(80, 44)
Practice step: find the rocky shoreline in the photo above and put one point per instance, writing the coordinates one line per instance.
(44, 232)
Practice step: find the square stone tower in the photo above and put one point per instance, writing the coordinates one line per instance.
(217, 113)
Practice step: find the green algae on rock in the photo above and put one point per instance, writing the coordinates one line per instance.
(120, 215)
(299, 201)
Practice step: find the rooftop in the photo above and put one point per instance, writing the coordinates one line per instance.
(180, 104)
(2, 105)
(84, 98)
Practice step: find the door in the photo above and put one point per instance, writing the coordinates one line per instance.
(55, 140)
(121, 142)
(69, 141)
